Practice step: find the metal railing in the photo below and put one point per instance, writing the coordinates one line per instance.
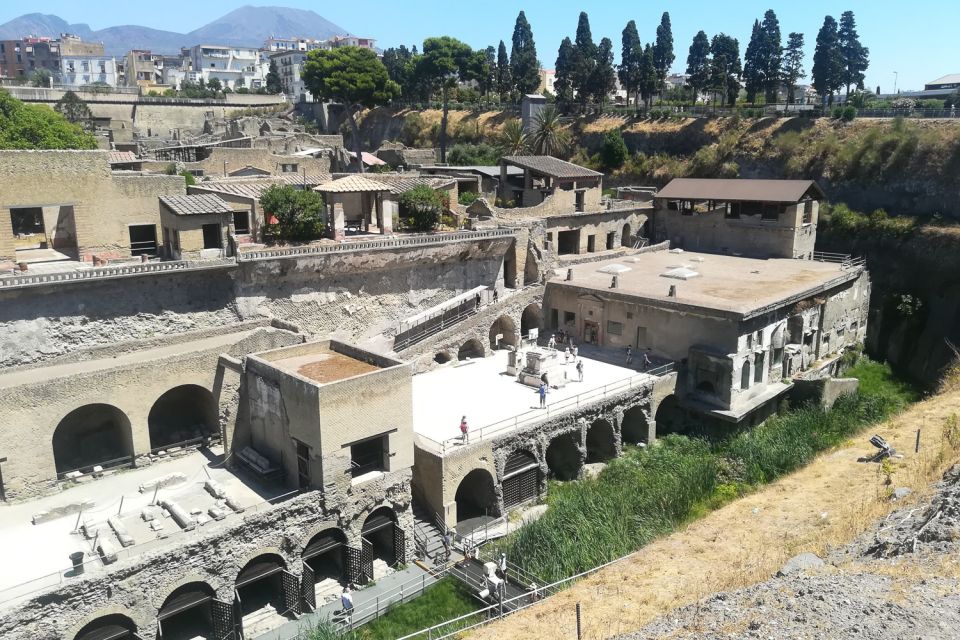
(425, 240)
(534, 416)
(433, 324)
(845, 260)
(386, 600)
(99, 273)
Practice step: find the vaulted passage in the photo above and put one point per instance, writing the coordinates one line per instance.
(94, 434)
(112, 627)
(563, 457)
(521, 479)
(476, 496)
(634, 428)
(383, 541)
(260, 584)
(601, 442)
(530, 319)
(504, 327)
(325, 555)
(182, 414)
(471, 349)
(187, 613)
(669, 417)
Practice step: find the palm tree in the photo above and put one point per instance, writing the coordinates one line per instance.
(514, 140)
(549, 138)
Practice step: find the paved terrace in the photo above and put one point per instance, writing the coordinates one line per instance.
(496, 403)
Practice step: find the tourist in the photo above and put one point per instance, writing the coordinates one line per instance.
(576, 351)
(502, 566)
(566, 356)
(552, 343)
(464, 430)
(346, 600)
(496, 296)
(543, 394)
(629, 354)
(646, 362)
(580, 369)
(447, 544)
(478, 301)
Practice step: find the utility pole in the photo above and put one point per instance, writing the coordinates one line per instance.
(895, 75)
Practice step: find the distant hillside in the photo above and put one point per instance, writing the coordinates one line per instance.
(246, 26)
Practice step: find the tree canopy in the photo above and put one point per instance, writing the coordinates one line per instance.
(421, 208)
(604, 78)
(524, 66)
(504, 79)
(663, 55)
(24, 126)
(293, 214)
(631, 53)
(75, 110)
(584, 59)
(563, 73)
(855, 56)
(828, 69)
(698, 63)
(792, 65)
(725, 67)
(272, 81)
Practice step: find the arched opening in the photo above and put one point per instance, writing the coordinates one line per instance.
(530, 319)
(521, 478)
(181, 414)
(259, 587)
(506, 328)
(531, 268)
(563, 457)
(706, 386)
(669, 418)
(601, 442)
(745, 375)
(470, 349)
(476, 497)
(324, 564)
(94, 434)
(645, 229)
(443, 357)
(634, 428)
(187, 613)
(115, 626)
(380, 538)
(625, 240)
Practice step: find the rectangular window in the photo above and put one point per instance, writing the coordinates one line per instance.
(749, 341)
(211, 236)
(611, 240)
(614, 328)
(758, 367)
(807, 211)
(569, 317)
(241, 222)
(554, 318)
(143, 239)
(289, 168)
(369, 455)
(591, 244)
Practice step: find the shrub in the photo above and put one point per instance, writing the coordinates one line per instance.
(293, 214)
(467, 198)
(849, 113)
(614, 151)
(421, 208)
(473, 154)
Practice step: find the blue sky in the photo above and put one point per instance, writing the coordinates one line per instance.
(917, 40)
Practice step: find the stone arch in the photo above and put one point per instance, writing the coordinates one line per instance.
(625, 236)
(443, 357)
(531, 318)
(521, 478)
(260, 583)
(564, 457)
(531, 266)
(706, 386)
(476, 496)
(187, 611)
(94, 434)
(601, 441)
(472, 348)
(745, 375)
(634, 427)
(379, 536)
(183, 413)
(325, 555)
(504, 325)
(669, 418)
(110, 626)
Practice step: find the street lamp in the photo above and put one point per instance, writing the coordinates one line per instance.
(894, 83)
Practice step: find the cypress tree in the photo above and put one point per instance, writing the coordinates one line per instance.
(585, 59)
(631, 52)
(828, 69)
(792, 69)
(663, 56)
(772, 55)
(649, 78)
(698, 64)
(524, 66)
(753, 65)
(604, 79)
(563, 83)
(725, 67)
(504, 82)
(856, 57)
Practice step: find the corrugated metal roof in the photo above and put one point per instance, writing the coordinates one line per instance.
(550, 166)
(351, 184)
(122, 157)
(736, 189)
(196, 204)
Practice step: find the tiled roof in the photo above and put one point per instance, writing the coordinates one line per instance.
(489, 171)
(196, 204)
(401, 184)
(122, 157)
(351, 184)
(550, 166)
(252, 187)
(737, 189)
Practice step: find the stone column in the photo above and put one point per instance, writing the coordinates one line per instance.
(338, 224)
(365, 207)
(381, 222)
(7, 251)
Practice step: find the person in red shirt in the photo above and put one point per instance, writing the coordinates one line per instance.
(464, 430)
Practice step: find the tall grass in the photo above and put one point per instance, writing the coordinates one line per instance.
(649, 493)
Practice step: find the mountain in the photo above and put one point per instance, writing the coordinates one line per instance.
(247, 26)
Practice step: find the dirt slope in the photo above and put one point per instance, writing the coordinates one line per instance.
(823, 506)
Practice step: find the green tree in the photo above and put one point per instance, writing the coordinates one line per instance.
(445, 60)
(524, 66)
(604, 78)
(649, 81)
(614, 151)
(548, 137)
(725, 68)
(631, 53)
(828, 69)
(753, 65)
(421, 208)
(513, 139)
(563, 78)
(504, 80)
(584, 60)
(352, 76)
(792, 70)
(698, 64)
(75, 111)
(273, 83)
(481, 154)
(772, 55)
(41, 78)
(298, 213)
(25, 126)
(856, 57)
(663, 55)
(215, 85)
(489, 81)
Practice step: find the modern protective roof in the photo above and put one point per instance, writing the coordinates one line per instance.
(253, 187)
(736, 189)
(196, 204)
(550, 166)
(122, 157)
(401, 184)
(492, 171)
(351, 184)
(950, 78)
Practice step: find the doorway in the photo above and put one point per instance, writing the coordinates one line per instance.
(591, 332)
(143, 239)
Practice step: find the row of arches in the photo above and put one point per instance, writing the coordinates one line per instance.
(502, 334)
(193, 610)
(476, 495)
(101, 434)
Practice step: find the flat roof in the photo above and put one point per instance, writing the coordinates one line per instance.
(950, 78)
(491, 171)
(723, 285)
(737, 189)
(325, 362)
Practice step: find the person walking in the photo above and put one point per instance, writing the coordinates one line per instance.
(629, 354)
(543, 395)
(576, 351)
(464, 430)
(346, 600)
(447, 545)
(502, 566)
(566, 356)
(580, 369)
(552, 342)
(646, 362)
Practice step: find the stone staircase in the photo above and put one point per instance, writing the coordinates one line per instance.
(428, 534)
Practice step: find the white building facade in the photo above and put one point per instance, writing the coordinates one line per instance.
(77, 71)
